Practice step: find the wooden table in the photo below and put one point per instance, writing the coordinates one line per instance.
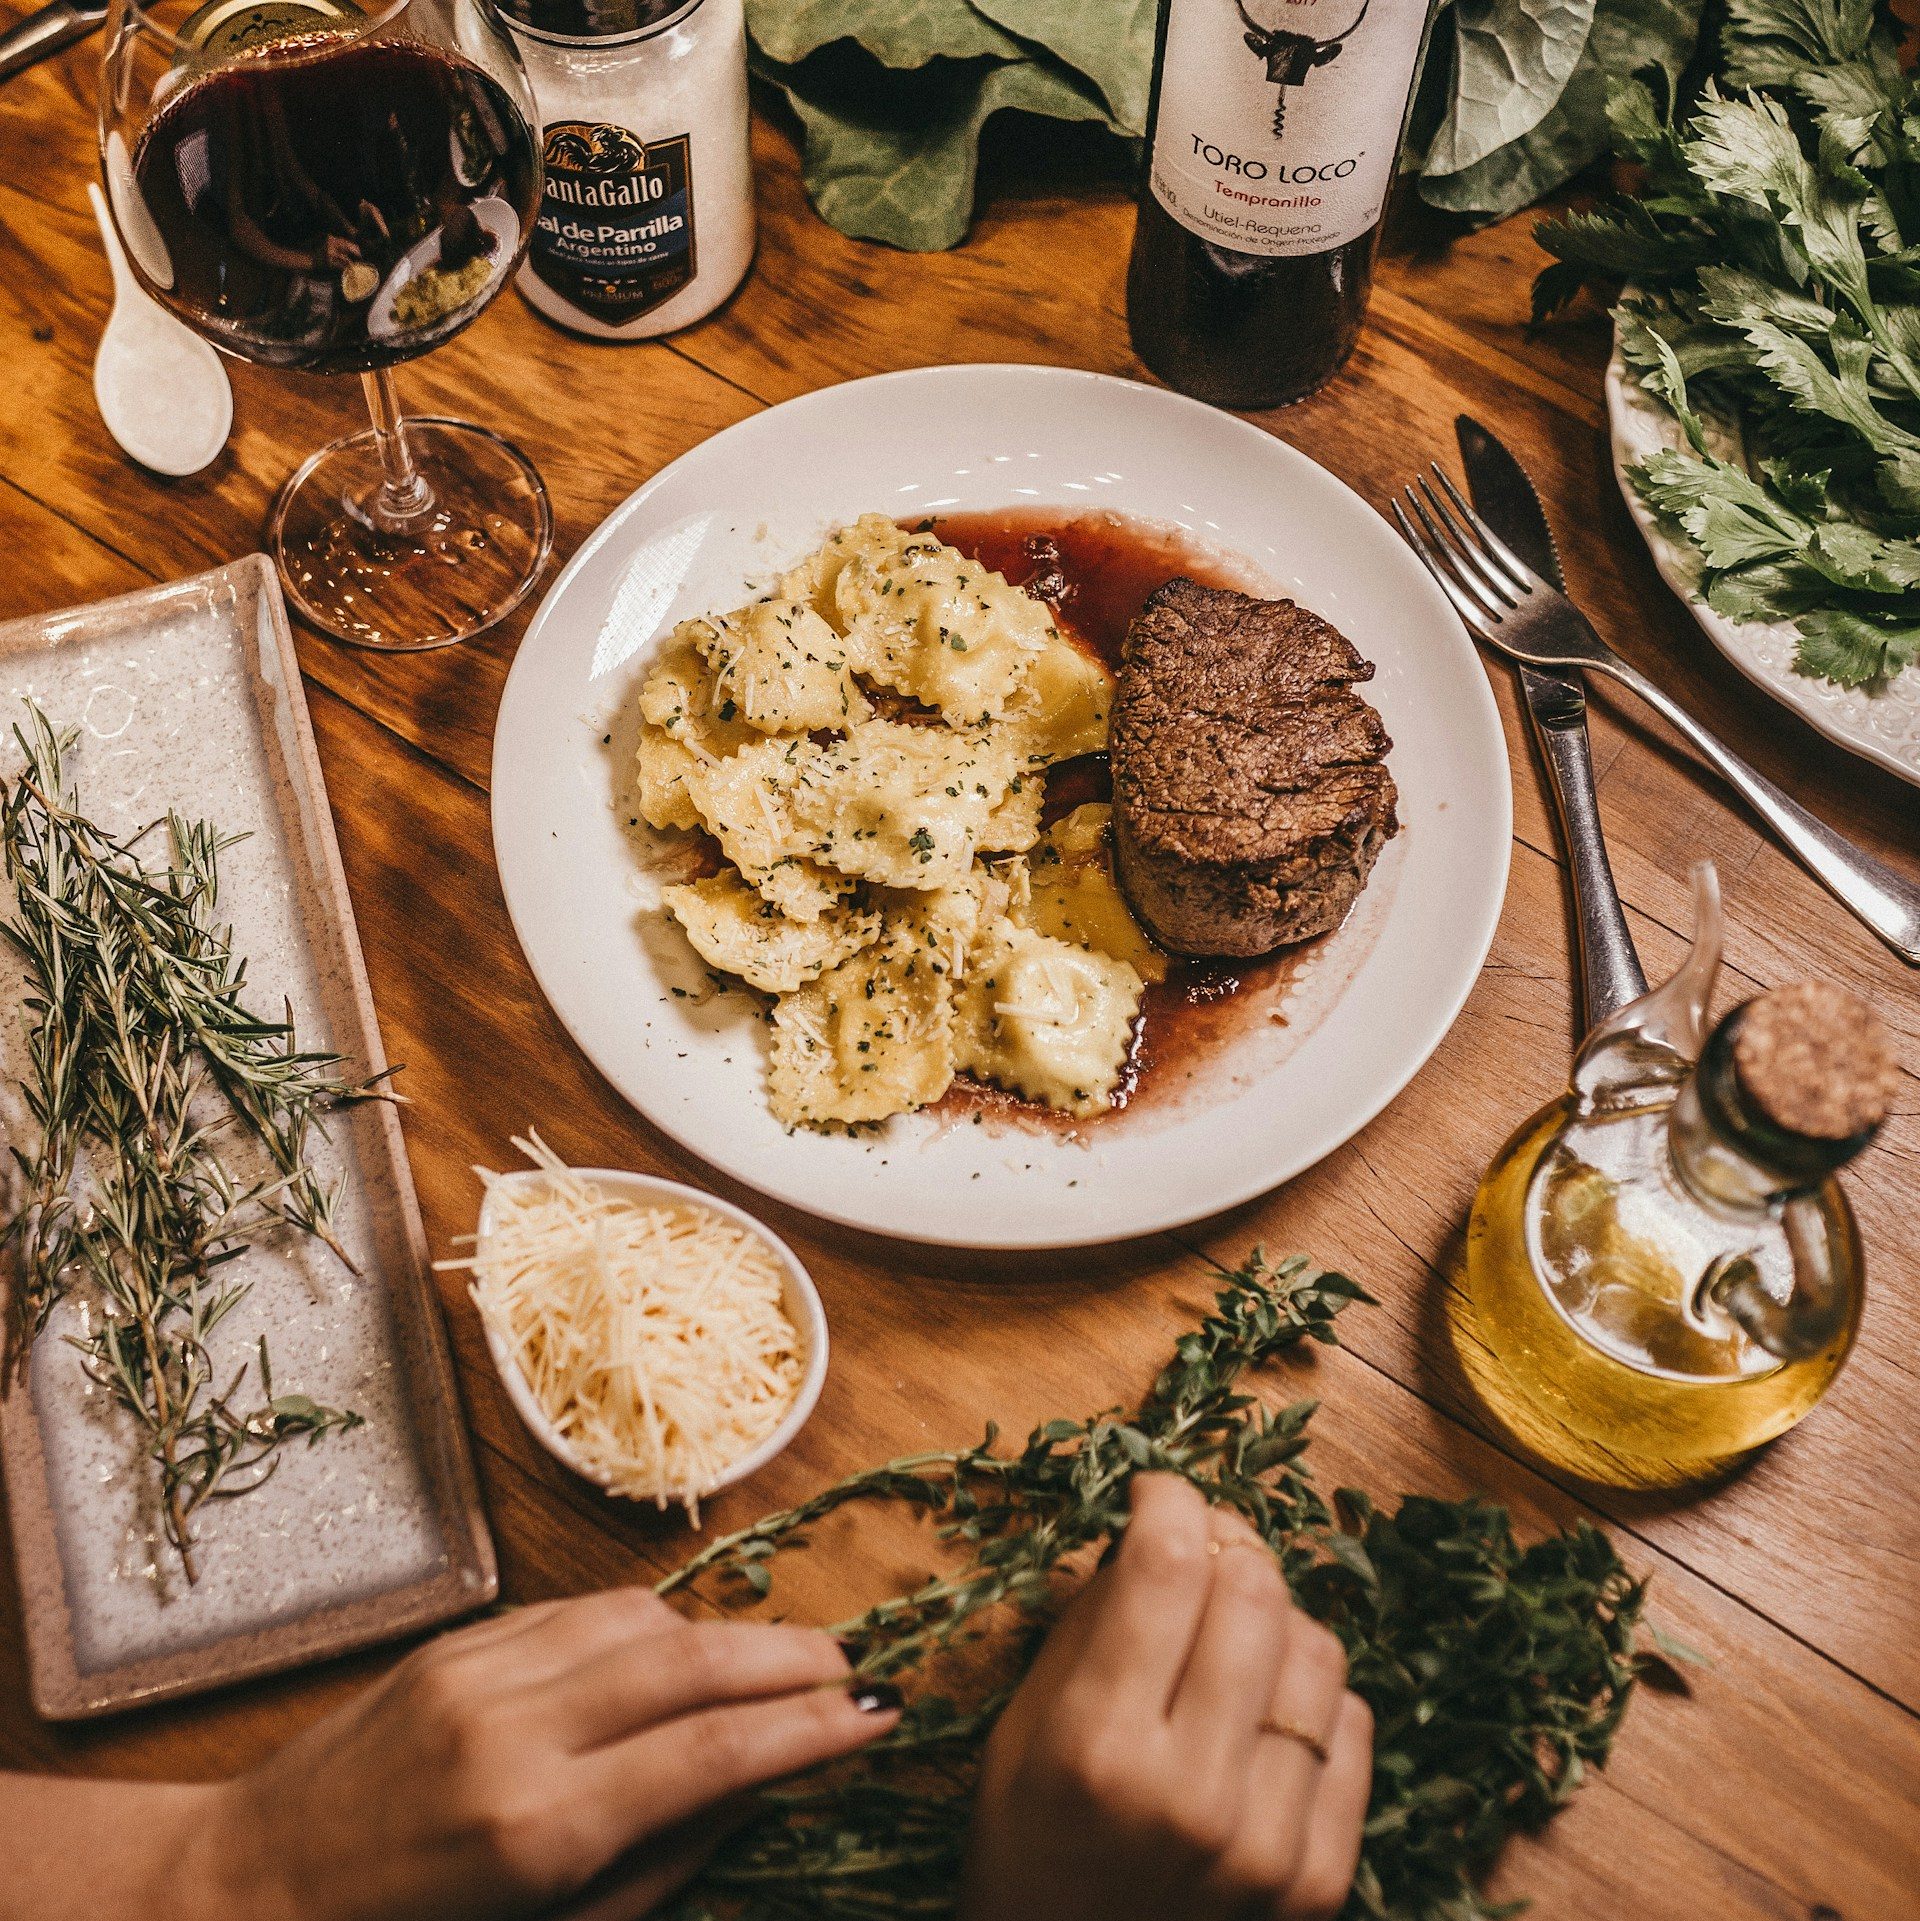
(1788, 1782)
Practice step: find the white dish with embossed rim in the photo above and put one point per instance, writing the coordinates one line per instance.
(1301, 1075)
(1880, 724)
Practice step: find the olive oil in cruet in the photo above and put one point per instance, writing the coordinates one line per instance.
(1662, 1271)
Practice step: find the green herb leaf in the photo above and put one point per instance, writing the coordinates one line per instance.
(1497, 1674)
(1854, 649)
(1729, 516)
(1512, 62)
(1774, 282)
(1747, 148)
(1674, 1648)
(1110, 41)
(899, 165)
(1768, 591)
(898, 33)
(1774, 43)
(144, 1063)
(1627, 37)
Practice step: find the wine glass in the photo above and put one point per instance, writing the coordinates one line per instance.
(311, 184)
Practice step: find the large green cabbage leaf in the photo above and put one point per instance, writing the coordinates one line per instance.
(1512, 61)
(1627, 37)
(893, 95)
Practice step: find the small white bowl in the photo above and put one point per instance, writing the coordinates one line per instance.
(799, 1296)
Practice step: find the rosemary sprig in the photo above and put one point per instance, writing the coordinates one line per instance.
(143, 1063)
(1496, 1675)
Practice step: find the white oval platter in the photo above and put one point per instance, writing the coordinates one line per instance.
(1880, 723)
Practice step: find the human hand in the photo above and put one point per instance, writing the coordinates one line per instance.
(1184, 1747)
(501, 1769)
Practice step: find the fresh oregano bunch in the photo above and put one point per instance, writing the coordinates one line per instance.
(1496, 1674)
(146, 1069)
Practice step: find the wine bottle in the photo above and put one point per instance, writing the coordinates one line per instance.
(1272, 138)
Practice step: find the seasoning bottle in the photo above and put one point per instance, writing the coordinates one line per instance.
(646, 220)
(1662, 1269)
(1272, 138)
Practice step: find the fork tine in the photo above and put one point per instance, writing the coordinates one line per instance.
(1474, 568)
(1490, 602)
(1465, 608)
(1517, 572)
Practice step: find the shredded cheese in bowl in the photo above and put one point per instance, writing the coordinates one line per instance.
(651, 1329)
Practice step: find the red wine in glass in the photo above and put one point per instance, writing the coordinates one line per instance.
(336, 186)
(337, 206)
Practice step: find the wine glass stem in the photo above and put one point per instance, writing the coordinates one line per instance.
(404, 499)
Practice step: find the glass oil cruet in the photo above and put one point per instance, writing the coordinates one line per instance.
(1662, 1270)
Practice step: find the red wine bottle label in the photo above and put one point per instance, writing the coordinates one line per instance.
(1279, 120)
(615, 233)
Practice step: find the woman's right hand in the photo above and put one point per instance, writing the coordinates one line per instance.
(498, 1771)
(1185, 1747)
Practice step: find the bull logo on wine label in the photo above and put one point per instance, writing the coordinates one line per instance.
(1291, 57)
(615, 233)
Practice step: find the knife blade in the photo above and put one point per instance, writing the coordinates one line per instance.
(1504, 497)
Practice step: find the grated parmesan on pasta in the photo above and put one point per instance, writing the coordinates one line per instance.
(653, 1337)
(880, 727)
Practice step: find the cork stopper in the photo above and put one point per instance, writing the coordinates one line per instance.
(1815, 1060)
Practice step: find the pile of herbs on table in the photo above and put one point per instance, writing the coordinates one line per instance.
(1497, 1674)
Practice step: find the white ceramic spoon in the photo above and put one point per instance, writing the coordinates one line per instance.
(161, 389)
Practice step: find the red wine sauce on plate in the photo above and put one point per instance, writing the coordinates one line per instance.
(1096, 571)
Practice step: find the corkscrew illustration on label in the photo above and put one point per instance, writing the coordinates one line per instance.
(1276, 122)
(1291, 57)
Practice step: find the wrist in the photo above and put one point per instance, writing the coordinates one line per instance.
(222, 1866)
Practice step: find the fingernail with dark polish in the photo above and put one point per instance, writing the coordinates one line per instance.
(876, 1697)
(853, 1650)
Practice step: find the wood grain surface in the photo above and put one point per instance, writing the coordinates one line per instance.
(1786, 1782)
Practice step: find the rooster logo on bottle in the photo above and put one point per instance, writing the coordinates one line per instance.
(1290, 57)
(576, 147)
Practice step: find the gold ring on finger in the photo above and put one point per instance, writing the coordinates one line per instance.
(1293, 1731)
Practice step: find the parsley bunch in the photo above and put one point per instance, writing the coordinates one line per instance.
(1497, 1674)
(1774, 260)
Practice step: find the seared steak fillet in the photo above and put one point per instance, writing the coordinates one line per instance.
(1249, 798)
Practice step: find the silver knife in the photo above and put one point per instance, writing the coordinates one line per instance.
(1610, 973)
(46, 32)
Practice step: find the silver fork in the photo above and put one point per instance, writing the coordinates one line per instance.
(1512, 609)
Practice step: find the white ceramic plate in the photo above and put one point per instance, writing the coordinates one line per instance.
(1883, 724)
(798, 1295)
(496, 220)
(1299, 1077)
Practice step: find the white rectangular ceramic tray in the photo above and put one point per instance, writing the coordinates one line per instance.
(188, 696)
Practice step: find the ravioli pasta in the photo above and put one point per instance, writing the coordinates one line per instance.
(870, 1038)
(681, 732)
(780, 668)
(734, 928)
(902, 805)
(745, 801)
(1047, 1018)
(867, 745)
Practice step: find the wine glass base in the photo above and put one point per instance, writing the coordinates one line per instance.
(460, 567)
